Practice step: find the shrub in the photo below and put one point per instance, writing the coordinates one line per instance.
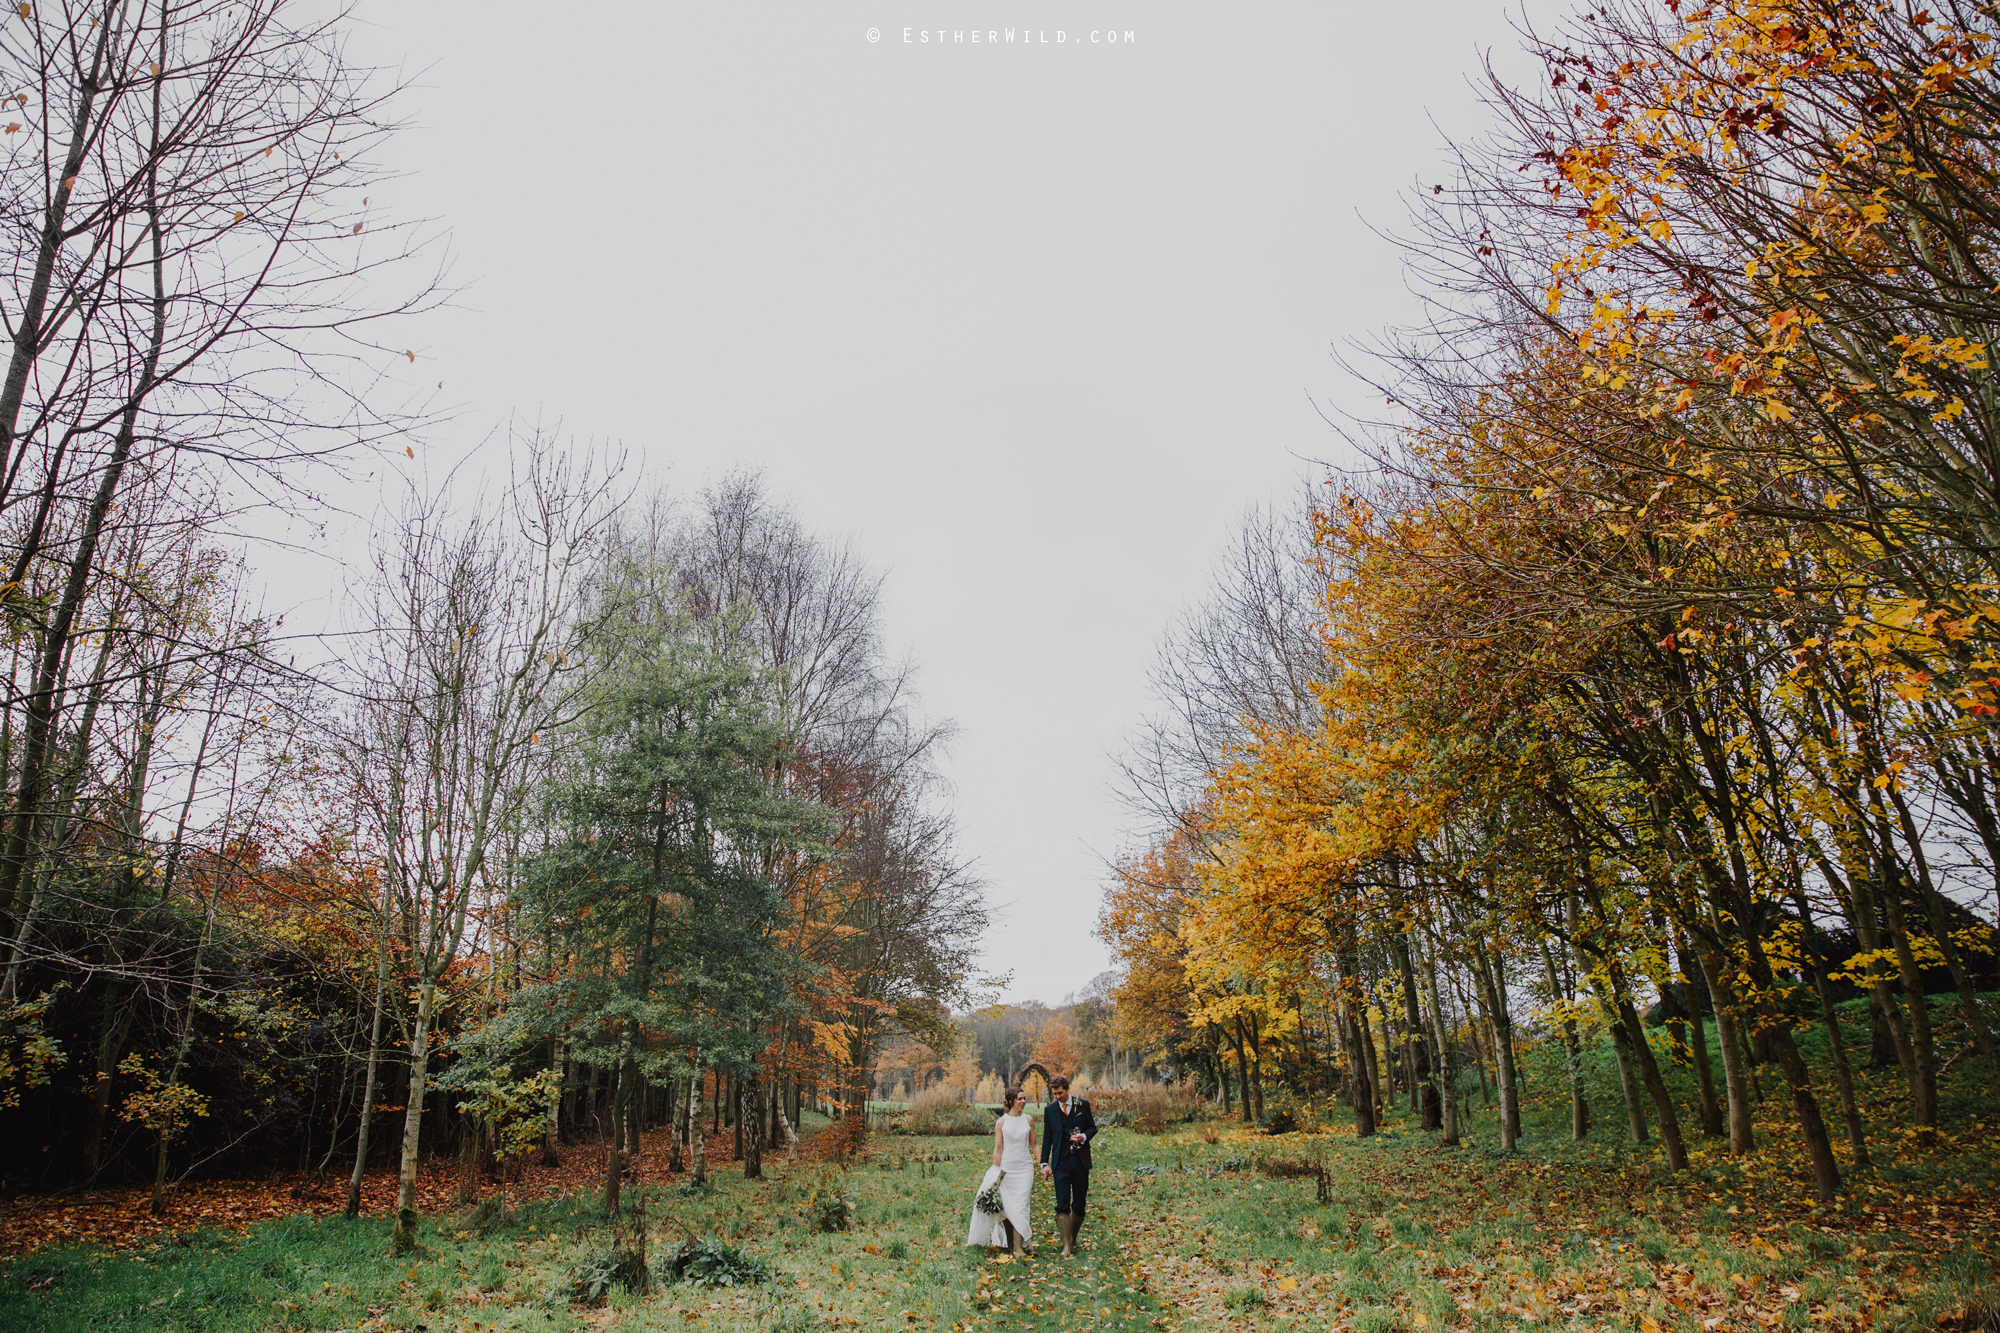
(943, 1097)
(829, 1211)
(1147, 1108)
(485, 1217)
(1281, 1121)
(708, 1262)
(1285, 1168)
(590, 1281)
(955, 1118)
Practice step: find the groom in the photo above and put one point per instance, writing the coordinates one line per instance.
(1067, 1129)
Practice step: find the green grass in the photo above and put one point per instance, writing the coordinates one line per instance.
(901, 1265)
(1556, 1236)
(1183, 1233)
(296, 1273)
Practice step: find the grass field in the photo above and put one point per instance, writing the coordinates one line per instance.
(900, 1265)
(1214, 1225)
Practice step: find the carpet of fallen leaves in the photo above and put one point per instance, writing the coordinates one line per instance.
(122, 1217)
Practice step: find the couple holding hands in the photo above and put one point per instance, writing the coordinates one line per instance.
(1000, 1210)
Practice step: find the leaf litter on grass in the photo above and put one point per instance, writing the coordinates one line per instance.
(1421, 1237)
(1413, 1237)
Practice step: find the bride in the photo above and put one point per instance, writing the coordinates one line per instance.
(1014, 1170)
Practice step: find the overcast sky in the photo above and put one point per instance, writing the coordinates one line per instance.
(1032, 321)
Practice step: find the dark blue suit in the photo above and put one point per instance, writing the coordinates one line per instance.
(1069, 1165)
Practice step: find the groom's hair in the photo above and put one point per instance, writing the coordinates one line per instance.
(1059, 1081)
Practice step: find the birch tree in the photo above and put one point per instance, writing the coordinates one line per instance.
(482, 627)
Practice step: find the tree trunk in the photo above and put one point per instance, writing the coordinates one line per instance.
(1243, 1070)
(1649, 1071)
(470, 1131)
(1502, 1024)
(1923, 1047)
(1447, 1055)
(44, 699)
(1755, 1052)
(1430, 1105)
(1579, 1105)
(676, 1126)
(1843, 1073)
(413, 1121)
(1357, 1064)
(1733, 1074)
(552, 1127)
(1819, 1147)
(636, 1103)
(752, 1142)
(1711, 1110)
(1256, 1040)
(1861, 910)
(1621, 1043)
(1628, 1077)
(187, 1037)
(1974, 1014)
(1392, 1079)
(353, 1208)
(1778, 1036)
(697, 1132)
(1479, 1063)
(621, 1091)
(115, 1021)
(1374, 1082)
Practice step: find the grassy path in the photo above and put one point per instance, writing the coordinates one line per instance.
(1101, 1288)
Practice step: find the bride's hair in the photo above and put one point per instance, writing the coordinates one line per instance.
(1012, 1095)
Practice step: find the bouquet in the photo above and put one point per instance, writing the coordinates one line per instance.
(988, 1199)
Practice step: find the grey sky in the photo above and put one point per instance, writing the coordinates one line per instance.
(1033, 322)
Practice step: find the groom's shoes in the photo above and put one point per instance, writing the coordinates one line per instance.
(1066, 1227)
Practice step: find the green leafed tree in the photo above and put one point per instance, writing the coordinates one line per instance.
(654, 881)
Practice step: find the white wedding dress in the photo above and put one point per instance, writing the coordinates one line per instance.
(1016, 1185)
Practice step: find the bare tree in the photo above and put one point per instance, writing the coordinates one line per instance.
(1250, 651)
(184, 255)
(482, 628)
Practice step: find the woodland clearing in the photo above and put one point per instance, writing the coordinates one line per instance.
(1213, 1225)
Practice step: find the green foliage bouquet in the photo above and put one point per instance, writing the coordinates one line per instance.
(988, 1199)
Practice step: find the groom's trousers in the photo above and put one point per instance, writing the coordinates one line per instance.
(1072, 1184)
